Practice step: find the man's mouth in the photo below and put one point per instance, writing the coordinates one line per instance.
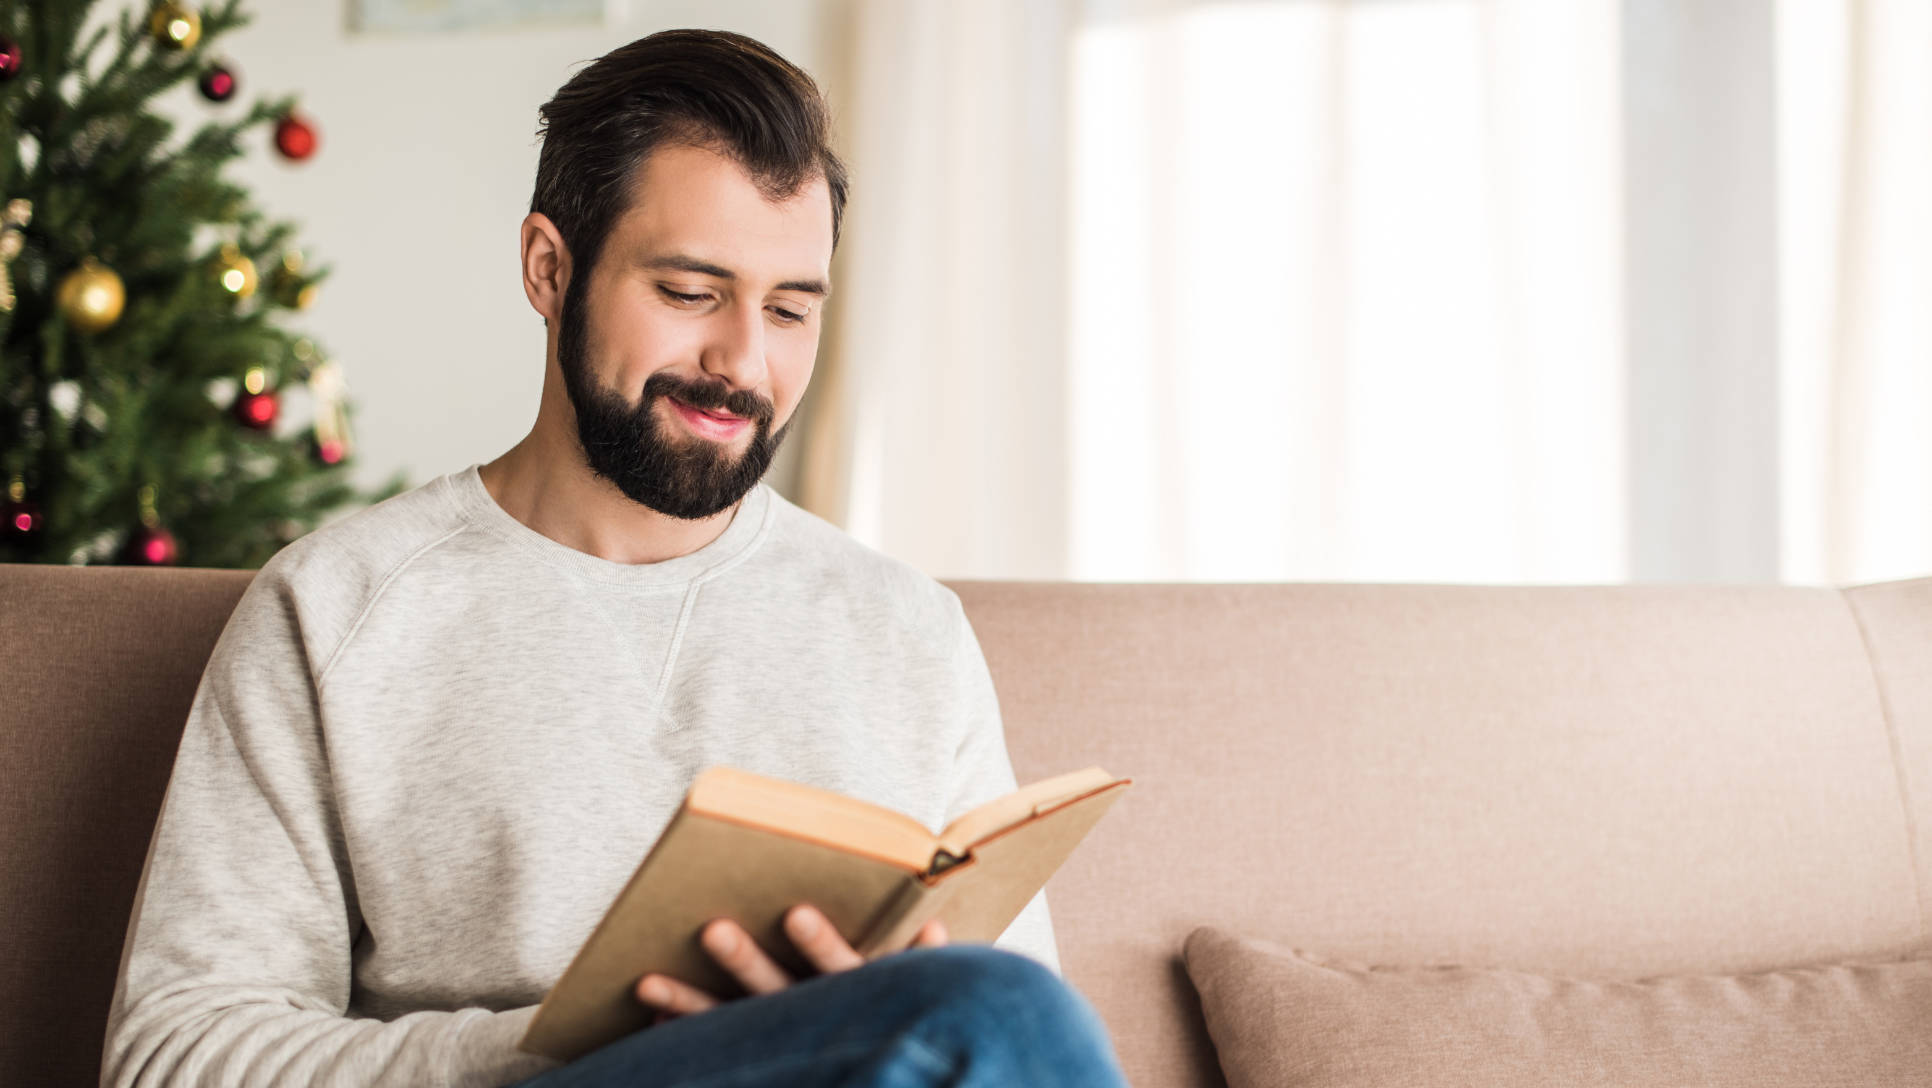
(707, 422)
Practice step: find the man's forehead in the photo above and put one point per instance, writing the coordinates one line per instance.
(695, 207)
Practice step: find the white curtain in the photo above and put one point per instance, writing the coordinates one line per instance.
(1341, 290)
(937, 419)
(1345, 293)
(1855, 167)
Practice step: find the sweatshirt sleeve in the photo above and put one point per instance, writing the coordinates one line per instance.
(982, 772)
(237, 963)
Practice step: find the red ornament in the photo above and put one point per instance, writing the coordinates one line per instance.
(329, 451)
(217, 83)
(295, 137)
(256, 410)
(9, 58)
(150, 547)
(21, 519)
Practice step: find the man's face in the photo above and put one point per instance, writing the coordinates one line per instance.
(687, 348)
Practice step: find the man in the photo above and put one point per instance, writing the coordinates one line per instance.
(436, 737)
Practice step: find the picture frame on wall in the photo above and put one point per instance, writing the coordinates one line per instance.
(420, 16)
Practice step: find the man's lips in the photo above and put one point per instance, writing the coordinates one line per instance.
(709, 423)
(712, 412)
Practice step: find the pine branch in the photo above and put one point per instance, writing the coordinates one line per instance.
(108, 179)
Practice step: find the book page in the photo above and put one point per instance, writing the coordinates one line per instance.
(1002, 812)
(793, 808)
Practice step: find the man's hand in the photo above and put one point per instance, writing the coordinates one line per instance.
(737, 953)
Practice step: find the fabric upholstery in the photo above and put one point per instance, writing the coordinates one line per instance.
(1282, 1018)
(1609, 781)
(97, 668)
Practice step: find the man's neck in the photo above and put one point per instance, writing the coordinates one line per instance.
(552, 491)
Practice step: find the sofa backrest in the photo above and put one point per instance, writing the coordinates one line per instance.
(1613, 780)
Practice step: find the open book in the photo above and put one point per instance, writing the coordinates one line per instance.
(748, 847)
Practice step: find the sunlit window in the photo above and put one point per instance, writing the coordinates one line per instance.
(1855, 277)
(1346, 293)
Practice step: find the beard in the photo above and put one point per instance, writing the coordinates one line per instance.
(682, 476)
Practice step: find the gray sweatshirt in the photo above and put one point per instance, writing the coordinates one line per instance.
(432, 743)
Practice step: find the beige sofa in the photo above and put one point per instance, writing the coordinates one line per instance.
(1612, 781)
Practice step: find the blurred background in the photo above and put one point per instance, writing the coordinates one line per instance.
(1477, 291)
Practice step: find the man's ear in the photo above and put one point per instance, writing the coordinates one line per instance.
(546, 266)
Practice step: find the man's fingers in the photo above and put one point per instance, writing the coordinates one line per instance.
(668, 995)
(819, 940)
(931, 935)
(737, 953)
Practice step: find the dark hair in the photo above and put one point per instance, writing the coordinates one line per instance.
(704, 88)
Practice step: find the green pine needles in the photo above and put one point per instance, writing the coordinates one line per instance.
(144, 362)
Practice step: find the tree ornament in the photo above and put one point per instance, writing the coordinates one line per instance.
(329, 441)
(327, 451)
(235, 272)
(295, 137)
(174, 26)
(20, 520)
(217, 83)
(288, 286)
(13, 238)
(256, 406)
(9, 58)
(149, 545)
(91, 296)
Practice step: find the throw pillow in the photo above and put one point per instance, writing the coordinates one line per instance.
(1283, 1018)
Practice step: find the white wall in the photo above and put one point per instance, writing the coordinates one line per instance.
(426, 162)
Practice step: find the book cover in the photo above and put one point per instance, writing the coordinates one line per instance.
(748, 847)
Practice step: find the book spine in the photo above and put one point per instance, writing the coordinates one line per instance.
(898, 922)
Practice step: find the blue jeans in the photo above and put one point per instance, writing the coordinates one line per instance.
(964, 1015)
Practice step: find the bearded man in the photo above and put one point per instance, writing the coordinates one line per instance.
(436, 737)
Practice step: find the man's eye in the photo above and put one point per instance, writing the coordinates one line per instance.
(681, 297)
(788, 316)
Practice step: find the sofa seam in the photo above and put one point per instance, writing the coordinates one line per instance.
(1897, 750)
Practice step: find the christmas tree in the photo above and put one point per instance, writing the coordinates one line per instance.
(143, 299)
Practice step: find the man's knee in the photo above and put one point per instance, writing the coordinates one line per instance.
(992, 1009)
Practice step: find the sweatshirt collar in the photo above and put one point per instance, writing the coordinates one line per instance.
(746, 529)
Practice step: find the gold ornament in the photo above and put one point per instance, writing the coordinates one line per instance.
(287, 284)
(91, 296)
(13, 237)
(174, 26)
(235, 272)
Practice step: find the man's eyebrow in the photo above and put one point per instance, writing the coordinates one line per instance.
(683, 263)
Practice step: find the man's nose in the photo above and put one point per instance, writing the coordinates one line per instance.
(736, 352)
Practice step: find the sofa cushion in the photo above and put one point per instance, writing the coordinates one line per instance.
(1282, 1017)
